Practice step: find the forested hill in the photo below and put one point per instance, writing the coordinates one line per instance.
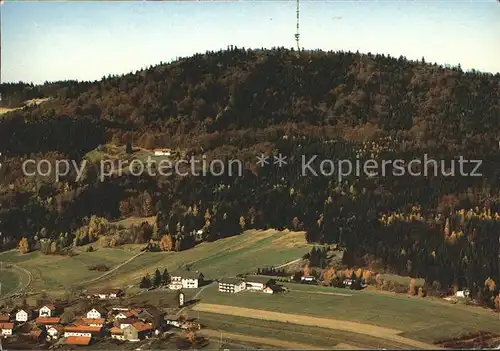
(239, 103)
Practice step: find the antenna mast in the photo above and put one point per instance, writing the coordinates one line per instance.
(297, 35)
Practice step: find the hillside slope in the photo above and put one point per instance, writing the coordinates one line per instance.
(241, 103)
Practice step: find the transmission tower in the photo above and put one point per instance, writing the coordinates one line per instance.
(297, 35)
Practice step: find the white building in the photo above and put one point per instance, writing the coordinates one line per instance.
(256, 282)
(47, 311)
(185, 280)
(23, 315)
(268, 290)
(231, 285)
(307, 279)
(162, 152)
(81, 331)
(55, 331)
(6, 329)
(463, 293)
(96, 313)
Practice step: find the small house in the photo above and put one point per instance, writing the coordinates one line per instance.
(125, 322)
(80, 330)
(137, 331)
(24, 315)
(47, 311)
(307, 279)
(6, 329)
(54, 332)
(173, 320)
(97, 312)
(116, 333)
(462, 293)
(231, 285)
(126, 314)
(269, 290)
(78, 340)
(255, 282)
(162, 152)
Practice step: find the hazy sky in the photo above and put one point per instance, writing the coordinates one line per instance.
(86, 40)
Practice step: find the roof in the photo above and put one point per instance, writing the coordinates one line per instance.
(48, 320)
(128, 321)
(186, 274)
(257, 279)
(59, 328)
(4, 318)
(172, 317)
(36, 333)
(116, 330)
(49, 306)
(6, 325)
(139, 326)
(233, 281)
(27, 310)
(78, 340)
(93, 320)
(82, 328)
(128, 314)
(100, 309)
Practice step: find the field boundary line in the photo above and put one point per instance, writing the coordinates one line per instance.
(259, 340)
(114, 268)
(348, 326)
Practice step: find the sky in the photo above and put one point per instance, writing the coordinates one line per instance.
(49, 40)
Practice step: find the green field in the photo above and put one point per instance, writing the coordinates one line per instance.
(10, 281)
(419, 319)
(226, 257)
(318, 337)
(52, 272)
(222, 258)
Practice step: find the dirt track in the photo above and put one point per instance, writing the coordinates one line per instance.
(366, 329)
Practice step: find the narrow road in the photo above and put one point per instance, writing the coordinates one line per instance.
(289, 263)
(114, 268)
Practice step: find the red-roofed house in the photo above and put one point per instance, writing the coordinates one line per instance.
(6, 329)
(82, 330)
(137, 331)
(78, 340)
(48, 320)
(116, 333)
(47, 311)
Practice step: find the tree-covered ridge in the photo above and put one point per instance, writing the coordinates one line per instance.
(237, 104)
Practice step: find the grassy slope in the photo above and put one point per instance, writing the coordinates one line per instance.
(9, 280)
(418, 318)
(226, 257)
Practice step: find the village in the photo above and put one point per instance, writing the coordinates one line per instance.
(109, 316)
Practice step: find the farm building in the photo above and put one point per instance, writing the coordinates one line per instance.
(48, 320)
(78, 340)
(231, 285)
(116, 333)
(55, 331)
(137, 331)
(255, 282)
(81, 330)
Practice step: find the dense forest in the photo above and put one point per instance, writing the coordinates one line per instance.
(238, 103)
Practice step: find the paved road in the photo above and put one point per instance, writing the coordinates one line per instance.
(289, 263)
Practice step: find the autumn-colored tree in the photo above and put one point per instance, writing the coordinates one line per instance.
(411, 287)
(329, 274)
(242, 222)
(190, 336)
(421, 292)
(24, 246)
(497, 302)
(125, 208)
(490, 284)
(306, 271)
(166, 243)
(295, 222)
(359, 273)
